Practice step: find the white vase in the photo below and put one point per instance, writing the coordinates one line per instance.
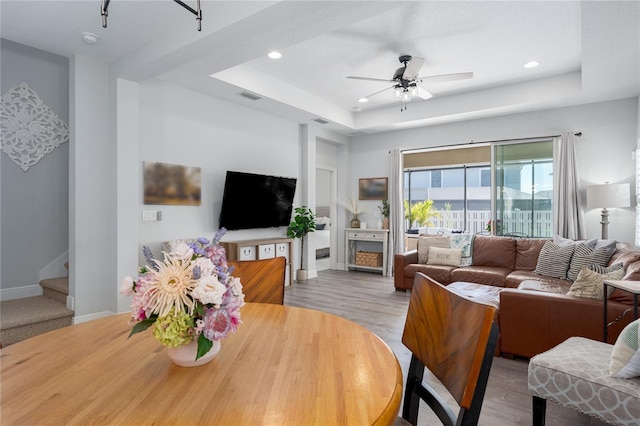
(185, 355)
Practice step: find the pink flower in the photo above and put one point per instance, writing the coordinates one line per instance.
(216, 254)
(217, 324)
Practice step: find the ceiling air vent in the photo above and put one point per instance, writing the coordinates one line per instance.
(320, 121)
(251, 96)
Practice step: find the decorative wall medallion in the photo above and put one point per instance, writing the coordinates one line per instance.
(29, 128)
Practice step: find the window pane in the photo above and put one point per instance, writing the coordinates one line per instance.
(524, 189)
(436, 178)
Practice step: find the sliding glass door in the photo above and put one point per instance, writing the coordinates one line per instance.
(523, 189)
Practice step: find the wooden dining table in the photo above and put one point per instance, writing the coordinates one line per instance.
(283, 366)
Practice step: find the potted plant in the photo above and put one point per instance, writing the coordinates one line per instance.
(419, 213)
(385, 210)
(303, 222)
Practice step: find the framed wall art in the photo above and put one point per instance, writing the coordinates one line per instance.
(171, 184)
(373, 188)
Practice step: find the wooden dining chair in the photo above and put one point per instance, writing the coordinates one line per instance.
(454, 338)
(262, 280)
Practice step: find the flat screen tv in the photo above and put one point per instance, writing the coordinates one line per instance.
(256, 201)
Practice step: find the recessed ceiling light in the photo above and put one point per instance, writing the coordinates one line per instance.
(275, 55)
(363, 100)
(90, 38)
(531, 64)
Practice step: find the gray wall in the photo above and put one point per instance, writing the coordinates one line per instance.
(35, 204)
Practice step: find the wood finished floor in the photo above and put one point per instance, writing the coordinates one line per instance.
(371, 301)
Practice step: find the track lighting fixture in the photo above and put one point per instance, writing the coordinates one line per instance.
(104, 11)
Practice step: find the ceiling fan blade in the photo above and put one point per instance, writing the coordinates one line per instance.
(371, 79)
(424, 93)
(413, 68)
(379, 91)
(442, 78)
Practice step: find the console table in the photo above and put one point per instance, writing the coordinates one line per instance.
(265, 248)
(355, 235)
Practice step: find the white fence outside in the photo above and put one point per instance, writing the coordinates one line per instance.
(520, 223)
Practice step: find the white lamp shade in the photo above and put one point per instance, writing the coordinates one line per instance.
(609, 195)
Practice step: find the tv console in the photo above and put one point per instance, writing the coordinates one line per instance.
(263, 248)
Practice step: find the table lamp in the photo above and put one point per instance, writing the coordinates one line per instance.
(605, 196)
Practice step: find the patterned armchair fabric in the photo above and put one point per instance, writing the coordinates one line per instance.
(576, 374)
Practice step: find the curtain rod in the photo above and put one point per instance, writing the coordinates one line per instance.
(578, 134)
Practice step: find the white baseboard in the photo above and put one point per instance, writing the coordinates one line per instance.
(341, 267)
(84, 318)
(20, 292)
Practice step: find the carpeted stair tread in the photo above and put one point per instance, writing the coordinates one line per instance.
(30, 310)
(60, 285)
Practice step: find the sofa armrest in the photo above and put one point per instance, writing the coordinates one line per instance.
(400, 260)
(532, 322)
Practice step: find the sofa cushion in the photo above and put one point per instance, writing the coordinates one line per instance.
(498, 252)
(527, 251)
(440, 273)
(591, 284)
(584, 255)
(625, 356)
(488, 275)
(444, 256)
(426, 241)
(514, 279)
(554, 260)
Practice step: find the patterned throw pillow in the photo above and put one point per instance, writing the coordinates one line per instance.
(426, 241)
(584, 255)
(554, 260)
(591, 284)
(444, 256)
(463, 242)
(625, 357)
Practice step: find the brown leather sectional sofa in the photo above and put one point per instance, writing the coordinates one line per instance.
(539, 315)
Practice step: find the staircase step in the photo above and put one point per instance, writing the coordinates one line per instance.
(30, 316)
(56, 288)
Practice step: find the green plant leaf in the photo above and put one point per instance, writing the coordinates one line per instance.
(142, 325)
(204, 346)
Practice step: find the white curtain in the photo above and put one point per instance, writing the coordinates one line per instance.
(568, 219)
(396, 227)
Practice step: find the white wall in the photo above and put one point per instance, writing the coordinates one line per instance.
(90, 251)
(35, 203)
(609, 133)
(180, 126)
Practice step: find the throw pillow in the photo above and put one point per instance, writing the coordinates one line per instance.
(554, 260)
(605, 270)
(625, 356)
(463, 242)
(609, 245)
(584, 255)
(320, 226)
(444, 256)
(561, 241)
(590, 284)
(426, 241)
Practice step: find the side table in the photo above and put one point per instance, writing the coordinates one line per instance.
(632, 287)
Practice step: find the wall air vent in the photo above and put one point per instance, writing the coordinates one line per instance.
(320, 121)
(251, 96)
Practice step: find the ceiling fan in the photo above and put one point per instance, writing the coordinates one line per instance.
(405, 80)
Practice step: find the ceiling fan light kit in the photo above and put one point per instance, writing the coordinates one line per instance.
(104, 11)
(405, 81)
